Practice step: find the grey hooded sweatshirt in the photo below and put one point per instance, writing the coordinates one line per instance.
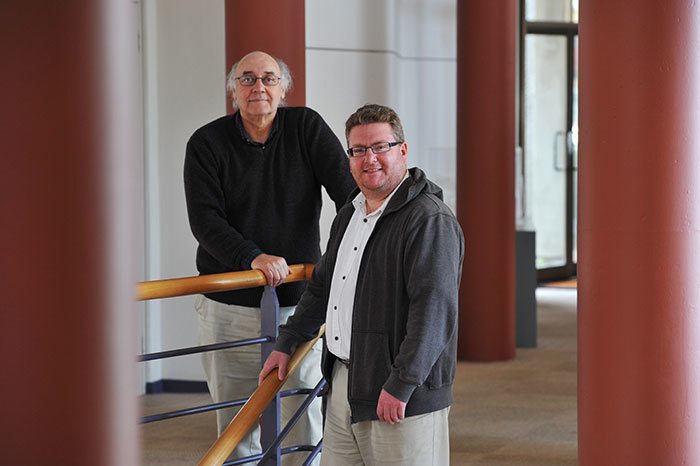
(404, 323)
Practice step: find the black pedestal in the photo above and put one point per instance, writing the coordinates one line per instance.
(525, 284)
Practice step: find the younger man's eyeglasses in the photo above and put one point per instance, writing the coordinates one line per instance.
(378, 148)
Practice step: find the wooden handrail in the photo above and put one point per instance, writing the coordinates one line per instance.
(250, 412)
(215, 282)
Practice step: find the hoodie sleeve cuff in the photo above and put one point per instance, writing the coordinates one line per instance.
(395, 387)
(286, 344)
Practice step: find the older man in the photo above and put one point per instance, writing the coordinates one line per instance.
(387, 288)
(253, 187)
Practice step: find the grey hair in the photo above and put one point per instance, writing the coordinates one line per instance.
(286, 78)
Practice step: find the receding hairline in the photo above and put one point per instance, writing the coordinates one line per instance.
(258, 52)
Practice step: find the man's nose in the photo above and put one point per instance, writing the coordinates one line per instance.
(370, 156)
(259, 86)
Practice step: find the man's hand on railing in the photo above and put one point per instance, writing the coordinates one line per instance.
(275, 268)
(276, 359)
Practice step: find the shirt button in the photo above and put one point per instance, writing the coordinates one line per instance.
(365, 220)
(335, 308)
(336, 338)
(343, 277)
(355, 248)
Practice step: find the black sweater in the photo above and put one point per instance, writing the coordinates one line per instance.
(245, 198)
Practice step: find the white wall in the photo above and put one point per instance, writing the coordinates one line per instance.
(400, 53)
(184, 67)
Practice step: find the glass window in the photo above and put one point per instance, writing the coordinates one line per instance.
(545, 116)
(560, 11)
(574, 138)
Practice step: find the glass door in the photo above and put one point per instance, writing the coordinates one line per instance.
(549, 135)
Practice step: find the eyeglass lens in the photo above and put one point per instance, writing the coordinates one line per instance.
(250, 80)
(378, 148)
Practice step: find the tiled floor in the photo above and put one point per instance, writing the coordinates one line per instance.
(521, 412)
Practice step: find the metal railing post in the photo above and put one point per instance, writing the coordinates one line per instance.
(292, 422)
(269, 390)
(270, 419)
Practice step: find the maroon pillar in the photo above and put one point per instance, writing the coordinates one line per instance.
(639, 233)
(66, 294)
(273, 26)
(485, 177)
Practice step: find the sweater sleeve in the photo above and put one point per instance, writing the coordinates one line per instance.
(329, 161)
(432, 275)
(205, 208)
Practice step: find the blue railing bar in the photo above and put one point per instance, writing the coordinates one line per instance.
(313, 454)
(202, 349)
(214, 406)
(195, 410)
(297, 415)
(296, 391)
(283, 451)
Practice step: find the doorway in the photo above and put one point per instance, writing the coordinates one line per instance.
(549, 131)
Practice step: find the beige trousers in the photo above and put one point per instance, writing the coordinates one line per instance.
(422, 440)
(233, 374)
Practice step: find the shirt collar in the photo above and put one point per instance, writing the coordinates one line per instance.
(360, 201)
(238, 120)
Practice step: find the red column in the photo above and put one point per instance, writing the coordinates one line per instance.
(485, 177)
(273, 26)
(639, 233)
(66, 293)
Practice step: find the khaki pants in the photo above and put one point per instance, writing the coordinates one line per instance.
(421, 440)
(233, 374)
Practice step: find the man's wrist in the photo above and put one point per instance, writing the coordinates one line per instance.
(398, 389)
(249, 257)
(286, 344)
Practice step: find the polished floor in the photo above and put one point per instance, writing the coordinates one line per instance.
(516, 413)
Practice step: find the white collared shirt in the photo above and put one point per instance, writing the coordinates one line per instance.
(347, 267)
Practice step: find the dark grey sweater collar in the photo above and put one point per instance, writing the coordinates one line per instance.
(238, 120)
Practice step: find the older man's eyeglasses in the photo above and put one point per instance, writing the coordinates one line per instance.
(378, 148)
(268, 80)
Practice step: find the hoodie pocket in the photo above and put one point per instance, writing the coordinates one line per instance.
(371, 366)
